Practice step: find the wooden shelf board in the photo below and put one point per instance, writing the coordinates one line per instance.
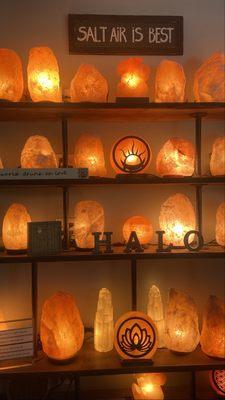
(150, 253)
(108, 111)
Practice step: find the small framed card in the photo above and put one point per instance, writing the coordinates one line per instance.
(44, 238)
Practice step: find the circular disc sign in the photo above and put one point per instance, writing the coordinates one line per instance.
(217, 380)
(135, 336)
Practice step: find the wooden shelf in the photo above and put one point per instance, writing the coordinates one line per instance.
(109, 111)
(150, 253)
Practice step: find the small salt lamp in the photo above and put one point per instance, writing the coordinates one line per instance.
(104, 325)
(170, 82)
(209, 81)
(89, 153)
(14, 229)
(134, 76)
(148, 386)
(38, 153)
(217, 380)
(213, 329)
(177, 217)
(141, 226)
(43, 75)
(130, 155)
(89, 217)
(220, 224)
(11, 76)
(155, 311)
(181, 320)
(88, 84)
(176, 158)
(61, 330)
(217, 160)
(3, 325)
(1, 165)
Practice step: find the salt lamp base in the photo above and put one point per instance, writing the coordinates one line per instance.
(15, 252)
(84, 249)
(174, 176)
(61, 362)
(6, 101)
(135, 362)
(131, 176)
(132, 100)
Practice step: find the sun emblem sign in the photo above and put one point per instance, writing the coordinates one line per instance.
(135, 336)
(217, 380)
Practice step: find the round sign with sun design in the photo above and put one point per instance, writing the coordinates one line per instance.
(135, 336)
(217, 380)
(130, 155)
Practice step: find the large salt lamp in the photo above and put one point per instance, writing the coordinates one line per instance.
(43, 75)
(213, 329)
(1, 164)
(141, 226)
(181, 320)
(148, 386)
(88, 84)
(176, 158)
(38, 153)
(209, 81)
(217, 160)
(62, 330)
(130, 155)
(217, 380)
(104, 325)
(170, 82)
(134, 76)
(88, 218)
(155, 311)
(89, 153)
(220, 224)
(14, 229)
(177, 217)
(11, 76)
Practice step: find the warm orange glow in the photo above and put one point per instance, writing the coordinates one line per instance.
(89, 153)
(169, 82)
(62, 330)
(217, 160)
(148, 386)
(134, 75)
(88, 84)
(14, 229)
(220, 224)
(141, 226)
(38, 153)
(11, 76)
(43, 75)
(1, 164)
(131, 80)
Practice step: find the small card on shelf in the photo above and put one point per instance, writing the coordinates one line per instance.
(44, 238)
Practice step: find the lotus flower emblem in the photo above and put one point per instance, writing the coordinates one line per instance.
(136, 338)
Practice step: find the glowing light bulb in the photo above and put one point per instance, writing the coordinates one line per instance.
(45, 81)
(148, 388)
(132, 159)
(178, 228)
(179, 333)
(131, 80)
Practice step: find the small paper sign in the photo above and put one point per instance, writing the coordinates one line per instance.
(44, 238)
(53, 173)
(16, 343)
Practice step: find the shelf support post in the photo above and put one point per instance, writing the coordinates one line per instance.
(64, 124)
(34, 293)
(193, 385)
(134, 283)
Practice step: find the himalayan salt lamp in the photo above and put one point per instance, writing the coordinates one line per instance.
(148, 386)
(130, 155)
(88, 84)
(43, 75)
(181, 320)
(89, 153)
(177, 217)
(61, 330)
(141, 226)
(217, 160)
(104, 325)
(176, 158)
(155, 311)
(220, 224)
(170, 82)
(134, 76)
(209, 81)
(1, 165)
(3, 325)
(38, 153)
(217, 380)
(14, 229)
(89, 217)
(213, 329)
(11, 76)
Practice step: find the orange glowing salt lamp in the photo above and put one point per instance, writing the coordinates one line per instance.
(89, 153)
(38, 153)
(11, 76)
(209, 81)
(14, 229)
(43, 75)
(134, 76)
(170, 82)
(217, 381)
(217, 160)
(88, 218)
(1, 164)
(3, 325)
(88, 84)
(220, 224)
(176, 158)
(141, 226)
(177, 217)
(61, 330)
(130, 155)
(213, 328)
(181, 323)
(148, 386)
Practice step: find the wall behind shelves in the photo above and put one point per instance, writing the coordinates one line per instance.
(26, 23)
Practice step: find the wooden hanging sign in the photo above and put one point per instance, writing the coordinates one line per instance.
(125, 34)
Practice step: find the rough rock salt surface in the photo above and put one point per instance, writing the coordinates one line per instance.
(170, 82)
(38, 153)
(88, 217)
(88, 84)
(104, 324)
(11, 76)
